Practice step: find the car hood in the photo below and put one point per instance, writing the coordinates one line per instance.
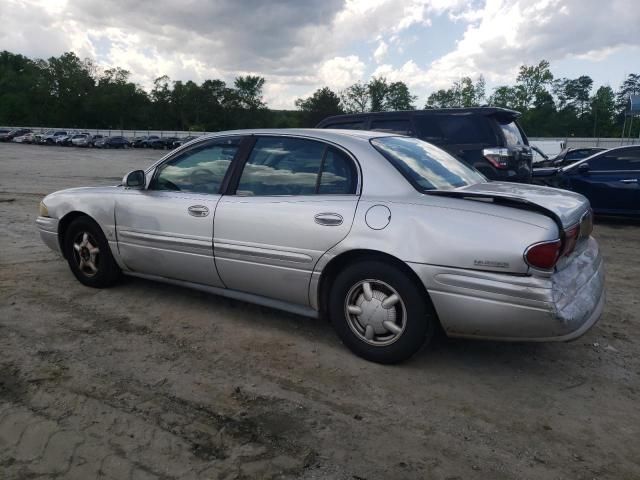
(564, 206)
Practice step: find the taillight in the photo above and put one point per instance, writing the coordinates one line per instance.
(498, 157)
(570, 239)
(543, 255)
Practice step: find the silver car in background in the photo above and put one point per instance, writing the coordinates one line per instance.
(386, 236)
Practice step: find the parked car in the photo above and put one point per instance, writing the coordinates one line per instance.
(94, 139)
(162, 143)
(80, 140)
(51, 137)
(609, 179)
(143, 142)
(568, 156)
(61, 140)
(387, 236)
(487, 138)
(181, 141)
(4, 131)
(26, 138)
(112, 142)
(11, 134)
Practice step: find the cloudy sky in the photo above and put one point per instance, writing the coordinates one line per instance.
(301, 45)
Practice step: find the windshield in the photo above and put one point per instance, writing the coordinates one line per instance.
(425, 166)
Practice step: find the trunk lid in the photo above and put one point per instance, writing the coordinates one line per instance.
(567, 208)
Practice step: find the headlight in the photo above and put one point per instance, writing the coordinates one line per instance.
(44, 212)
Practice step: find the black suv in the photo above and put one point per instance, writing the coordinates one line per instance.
(487, 138)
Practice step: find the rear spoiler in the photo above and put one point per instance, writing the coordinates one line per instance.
(515, 202)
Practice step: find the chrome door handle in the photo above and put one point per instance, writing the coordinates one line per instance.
(629, 180)
(328, 219)
(198, 211)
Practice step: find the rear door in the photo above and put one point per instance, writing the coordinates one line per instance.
(611, 182)
(293, 200)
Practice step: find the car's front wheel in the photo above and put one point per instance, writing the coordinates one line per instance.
(380, 312)
(88, 254)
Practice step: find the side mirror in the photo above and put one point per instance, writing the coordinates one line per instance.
(135, 179)
(584, 168)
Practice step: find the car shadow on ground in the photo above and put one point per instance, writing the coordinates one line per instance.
(442, 351)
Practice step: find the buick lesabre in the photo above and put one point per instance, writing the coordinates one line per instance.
(386, 236)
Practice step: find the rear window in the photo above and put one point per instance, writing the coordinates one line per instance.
(425, 166)
(512, 134)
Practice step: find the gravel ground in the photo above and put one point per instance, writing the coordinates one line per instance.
(146, 380)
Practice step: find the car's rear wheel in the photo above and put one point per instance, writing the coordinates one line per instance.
(380, 312)
(89, 255)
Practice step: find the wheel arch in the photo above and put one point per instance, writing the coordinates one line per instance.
(339, 262)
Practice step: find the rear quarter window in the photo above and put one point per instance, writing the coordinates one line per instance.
(512, 134)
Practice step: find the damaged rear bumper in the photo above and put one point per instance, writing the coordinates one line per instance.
(496, 306)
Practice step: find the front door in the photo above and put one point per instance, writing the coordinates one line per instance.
(167, 228)
(294, 200)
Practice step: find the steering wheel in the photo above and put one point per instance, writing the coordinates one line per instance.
(201, 176)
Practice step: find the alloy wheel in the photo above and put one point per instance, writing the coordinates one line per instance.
(86, 253)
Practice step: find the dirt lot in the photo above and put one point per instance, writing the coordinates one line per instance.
(146, 380)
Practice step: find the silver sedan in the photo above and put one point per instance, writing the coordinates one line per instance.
(386, 236)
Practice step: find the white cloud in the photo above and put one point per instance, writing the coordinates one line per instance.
(381, 52)
(340, 72)
(301, 46)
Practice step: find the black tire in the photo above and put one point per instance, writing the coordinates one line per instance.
(414, 308)
(106, 271)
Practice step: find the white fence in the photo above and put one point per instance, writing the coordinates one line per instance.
(114, 132)
(552, 142)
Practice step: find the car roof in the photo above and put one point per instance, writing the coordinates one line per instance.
(327, 134)
(486, 111)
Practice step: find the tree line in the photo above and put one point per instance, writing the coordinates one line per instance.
(70, 92)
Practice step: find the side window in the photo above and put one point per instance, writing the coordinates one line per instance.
(296, 166)
(338, 176)
(358, 125)
(465, 129)
(399, 126)
(428, 129)
(282, 166)
(620, 160)
(198, 170)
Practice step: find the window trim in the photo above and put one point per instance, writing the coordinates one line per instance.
(240, 161)
(153, 172)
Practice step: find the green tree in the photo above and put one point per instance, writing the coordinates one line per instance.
(249, 91)
(356, 98)
(323, 103)
(531, 82)
(603, 112)
(399, 97)
(463, 93)
(504, 96)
